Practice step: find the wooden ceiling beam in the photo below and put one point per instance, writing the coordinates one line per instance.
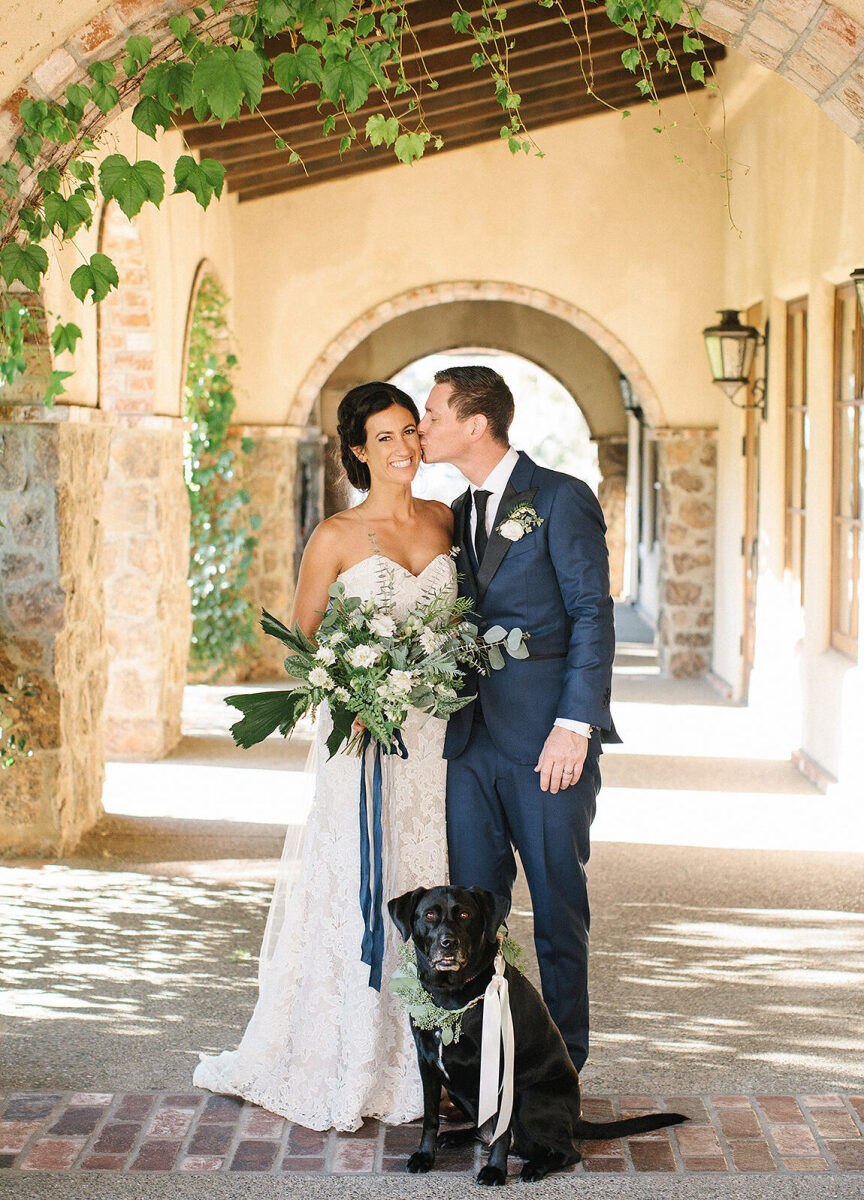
(292, 120)
(445, 103)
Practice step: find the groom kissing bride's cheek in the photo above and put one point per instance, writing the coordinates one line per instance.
(523, 758)
(471, 743)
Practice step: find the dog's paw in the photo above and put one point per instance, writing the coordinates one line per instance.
(533, 1172)
(491, 1176)
(457, 1137)
(419, 1163)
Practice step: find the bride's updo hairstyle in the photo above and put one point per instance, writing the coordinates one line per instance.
(355, 409)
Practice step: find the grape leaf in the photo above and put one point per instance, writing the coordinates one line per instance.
(131, 184)
(204, 180)
(64, 337)
(26, 263)
(98, 276)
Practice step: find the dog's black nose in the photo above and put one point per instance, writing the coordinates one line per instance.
(446, 941)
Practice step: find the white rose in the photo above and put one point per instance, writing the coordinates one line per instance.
(319, 678)
(362, 656)
(430, 640)
(401, 681)
(337, 637)
(342, 694)
(443, 690)
(325, 655)
(512, 531)
(383, 625)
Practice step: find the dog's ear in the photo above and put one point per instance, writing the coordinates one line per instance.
(494, 908)
(402, 908)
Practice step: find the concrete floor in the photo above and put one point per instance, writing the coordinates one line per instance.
(727, 939)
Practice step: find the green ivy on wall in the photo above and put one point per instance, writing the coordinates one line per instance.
(13, 734)
(221, 539)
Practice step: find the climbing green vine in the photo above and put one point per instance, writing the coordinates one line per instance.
(221, 540)
(215, 66)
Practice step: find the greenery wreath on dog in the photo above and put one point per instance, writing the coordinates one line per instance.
(421, 1008)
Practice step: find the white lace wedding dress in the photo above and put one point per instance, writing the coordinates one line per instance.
(323, 1048)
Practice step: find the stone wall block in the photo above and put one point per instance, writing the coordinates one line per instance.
(687, 477)
(13, 467)
(51, 622)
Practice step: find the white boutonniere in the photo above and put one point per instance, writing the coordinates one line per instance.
(523, 519)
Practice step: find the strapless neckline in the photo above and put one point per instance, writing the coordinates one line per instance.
(393, 563)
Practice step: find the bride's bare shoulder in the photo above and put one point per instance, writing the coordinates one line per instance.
(440, 513)
(332, 537)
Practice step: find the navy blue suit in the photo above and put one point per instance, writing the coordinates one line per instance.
(554, 584)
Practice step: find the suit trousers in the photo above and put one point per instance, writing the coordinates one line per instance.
(494, 805)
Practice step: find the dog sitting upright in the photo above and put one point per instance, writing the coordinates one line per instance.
(454, 930)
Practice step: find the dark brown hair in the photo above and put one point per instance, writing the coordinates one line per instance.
(355, 409)
(480, 391)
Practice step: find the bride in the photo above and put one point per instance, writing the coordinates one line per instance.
(322, 1047)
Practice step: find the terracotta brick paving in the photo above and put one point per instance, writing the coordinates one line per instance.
(90, 1131)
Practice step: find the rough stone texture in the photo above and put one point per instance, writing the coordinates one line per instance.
(145, 513)
(687, 467)
(268, 474)
(612, 494)
(52, 626)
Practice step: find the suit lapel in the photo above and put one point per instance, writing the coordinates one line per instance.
(516, 492)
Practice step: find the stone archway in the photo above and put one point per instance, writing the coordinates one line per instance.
(145, 515)
(558, 337)
(422, 299)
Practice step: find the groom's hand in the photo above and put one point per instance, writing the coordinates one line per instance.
(561, 759)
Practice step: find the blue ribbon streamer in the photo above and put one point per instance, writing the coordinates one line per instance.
(372, 946)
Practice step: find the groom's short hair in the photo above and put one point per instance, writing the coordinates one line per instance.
(480, 391)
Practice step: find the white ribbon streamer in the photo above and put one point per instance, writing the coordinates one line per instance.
(497, 1031)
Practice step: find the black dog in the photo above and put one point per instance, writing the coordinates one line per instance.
(455, 936)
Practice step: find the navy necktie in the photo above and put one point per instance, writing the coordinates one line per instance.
(480, 535)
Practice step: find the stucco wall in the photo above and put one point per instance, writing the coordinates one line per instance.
(608, 221)
(802, 231)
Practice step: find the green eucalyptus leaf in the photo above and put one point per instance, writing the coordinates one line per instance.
(495, 633)
(496, 658)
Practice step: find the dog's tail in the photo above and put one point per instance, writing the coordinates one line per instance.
(600, 1131)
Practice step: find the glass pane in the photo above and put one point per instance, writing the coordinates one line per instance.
(796, 527)
(846, 598)
(847, 464)
(796, 461)
(796, 359)
(847, 348)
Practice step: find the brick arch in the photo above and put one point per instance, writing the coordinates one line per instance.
(449, 293)
(127, 381)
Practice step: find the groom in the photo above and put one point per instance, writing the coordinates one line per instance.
(523, 766)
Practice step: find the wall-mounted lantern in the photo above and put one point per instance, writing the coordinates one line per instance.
(731, 349)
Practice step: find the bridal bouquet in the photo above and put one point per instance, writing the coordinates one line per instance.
(365, 663)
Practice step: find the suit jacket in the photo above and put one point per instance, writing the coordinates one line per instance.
(554, 584)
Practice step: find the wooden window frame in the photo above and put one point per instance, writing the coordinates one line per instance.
(796, 512)
(847, 644)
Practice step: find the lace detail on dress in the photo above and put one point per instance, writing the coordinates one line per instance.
(323, 1048)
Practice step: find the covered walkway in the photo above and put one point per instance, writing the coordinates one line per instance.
(728, 965)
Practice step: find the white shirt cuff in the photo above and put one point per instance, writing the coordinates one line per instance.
(574, 726)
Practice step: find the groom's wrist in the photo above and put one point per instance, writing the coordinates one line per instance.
(574, 726)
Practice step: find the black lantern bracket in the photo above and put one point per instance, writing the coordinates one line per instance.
(731, 349)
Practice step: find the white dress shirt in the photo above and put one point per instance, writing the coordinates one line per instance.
(495, 484)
